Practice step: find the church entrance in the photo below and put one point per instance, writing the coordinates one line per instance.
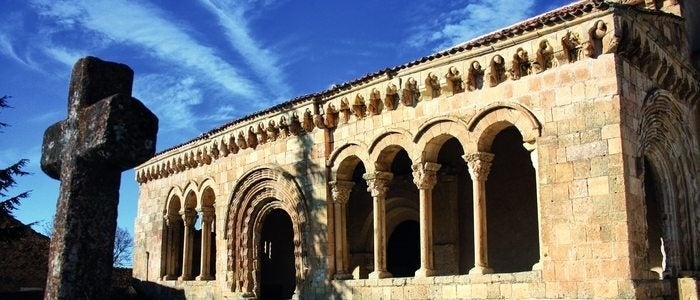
(403, 249)
(276, 257)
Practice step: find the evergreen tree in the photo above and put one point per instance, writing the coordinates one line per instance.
(8, 202)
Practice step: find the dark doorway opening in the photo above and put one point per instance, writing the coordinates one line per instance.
(511, 204)
(655, 254)
(276, 257)
(403, 249)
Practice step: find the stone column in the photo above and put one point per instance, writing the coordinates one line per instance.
(479, 167)
(424, 176)
(189, 217)
(341, 194)
(171, 244)
(204, 266)
(532, 148)
(378, 185)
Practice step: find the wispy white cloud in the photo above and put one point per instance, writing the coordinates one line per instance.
(263, 62)
(63, 55)
(172, 98)
(8, 49)
(144, 26)
(468, 21)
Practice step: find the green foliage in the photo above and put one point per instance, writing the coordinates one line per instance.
(9, 202)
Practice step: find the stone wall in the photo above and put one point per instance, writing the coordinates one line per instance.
(576, 110)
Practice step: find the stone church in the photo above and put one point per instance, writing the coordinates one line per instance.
(555, 158)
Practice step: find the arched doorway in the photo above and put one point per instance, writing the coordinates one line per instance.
(276, 256)
(403, 249)
(656, 252)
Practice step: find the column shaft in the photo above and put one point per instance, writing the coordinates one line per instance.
(378, 185)
(189, 218)
(479, 167)
(424, 176)
(207, 219)
(341, 194)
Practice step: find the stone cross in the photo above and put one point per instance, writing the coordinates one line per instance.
(106, 132)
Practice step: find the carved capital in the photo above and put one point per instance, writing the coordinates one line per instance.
(378, 183)
(170, 219)
(424, 174)
(189, 216)
(207, 214)
(341, 190)
(479, 164)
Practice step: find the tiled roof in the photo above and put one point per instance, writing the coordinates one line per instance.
(560, 15)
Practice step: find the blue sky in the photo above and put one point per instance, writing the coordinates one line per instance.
(199, 64)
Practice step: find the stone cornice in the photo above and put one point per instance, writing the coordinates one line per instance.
(655, 44)
(536, 45)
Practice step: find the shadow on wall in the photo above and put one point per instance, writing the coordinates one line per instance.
(308, 173)
(150, 290)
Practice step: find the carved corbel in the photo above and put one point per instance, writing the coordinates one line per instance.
(331, 116)
(571, 43)
(262, 133)
(214, 150)
(358, 107)
(345, 109)
(410, 93)
(232, 145)
(454, 81)
(520, 65)
(272, 131)
(375, 100)
(223, 148)
(295, 124)
(545, 56)
(475, 76)
(308, 122)
(240, 141)
(497, 70)
(595, 37)
(391, 97)
(284, 127)
(252, 139)
(432, 84)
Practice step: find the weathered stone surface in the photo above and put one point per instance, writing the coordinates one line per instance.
(106, 132)
(564, 191)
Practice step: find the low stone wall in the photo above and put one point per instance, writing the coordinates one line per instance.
(523, 285)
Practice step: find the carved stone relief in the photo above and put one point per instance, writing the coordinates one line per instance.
(497, 70)
(475, 76)
(391, 97)
(410, 93)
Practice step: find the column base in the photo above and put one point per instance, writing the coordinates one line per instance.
(425, 272)
(204, 277)
(170, 277)
(379, 275)
(184, 278)
(478, 270)
(342, 276)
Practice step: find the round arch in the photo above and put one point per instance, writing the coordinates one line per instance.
(434, 133)
(358, 149)
(258, 192)
(344, 159)
(495, 117)
(385, 148)
(174, 195)
(664, 140)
